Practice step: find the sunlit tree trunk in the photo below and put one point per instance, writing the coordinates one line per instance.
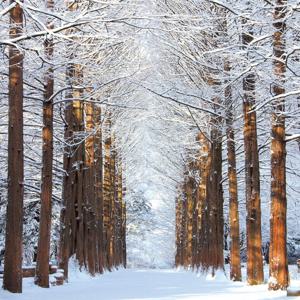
(99, 187)
(107, 188)
(112, 212)
(235, 260)
(253, 223)
(215, 196)
(78, 205)
(43, 251)
(89, 189)
(119, 199)
(73, 167)
(64, 245)
(124, 245)
(12, 280)
(279, 277)
(185, 218)
(204, 229)
(189, 220)
(178, 257)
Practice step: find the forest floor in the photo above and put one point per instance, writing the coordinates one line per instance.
(136, 284)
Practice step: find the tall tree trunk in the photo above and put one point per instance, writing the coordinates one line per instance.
(235, 259)
(253, 223)
(279, 277)
(78, 202)
(119, 199)
(12, 280)
(185, 224)
(203, 222)
(68, 160)
(107, 188)
(124, 245)
(178, 257)
(189, 220)
(43, 251)
(201, 191)
(195, 226)
(99, 188)
(89, 188)
(112, 225)
(215, 196)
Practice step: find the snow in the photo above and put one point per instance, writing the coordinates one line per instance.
(138, 284)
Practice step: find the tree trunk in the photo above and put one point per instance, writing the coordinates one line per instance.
(178, 257)
(68, 160)
(279, 277)
(253, 223)
(203, 222)
(189, 220)
(43, 251)
(235, 259)
(12, 280)
(124, 246)
(99, 188)
(89, 188)
(107, 188)
(215, 196)
(184, 225)
(112, 225)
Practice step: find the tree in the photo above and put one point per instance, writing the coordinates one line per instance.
(235, 259)
(43, 251)
(254, 256)
(12, 280)
(89, 190)
(279, 277)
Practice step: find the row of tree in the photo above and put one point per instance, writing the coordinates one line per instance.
(199, 205)
(93, 211)
(163, 73)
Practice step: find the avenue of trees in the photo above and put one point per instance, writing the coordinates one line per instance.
(102, 101)
(89, 176)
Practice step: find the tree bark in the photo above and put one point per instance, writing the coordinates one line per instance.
(253, 223)
(178, 257)
(235, 259)
(99, 188)
(68, 160)
(215, 196)
(89, 189)
(279, 277)
(124, 245)
(189, 220)
(12, 280)
(107, 188)
(112, 212)
(43, 251)
(205, 166)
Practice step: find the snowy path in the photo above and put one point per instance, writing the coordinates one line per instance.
(146, 285)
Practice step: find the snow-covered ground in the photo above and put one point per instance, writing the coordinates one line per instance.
(147, 285)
